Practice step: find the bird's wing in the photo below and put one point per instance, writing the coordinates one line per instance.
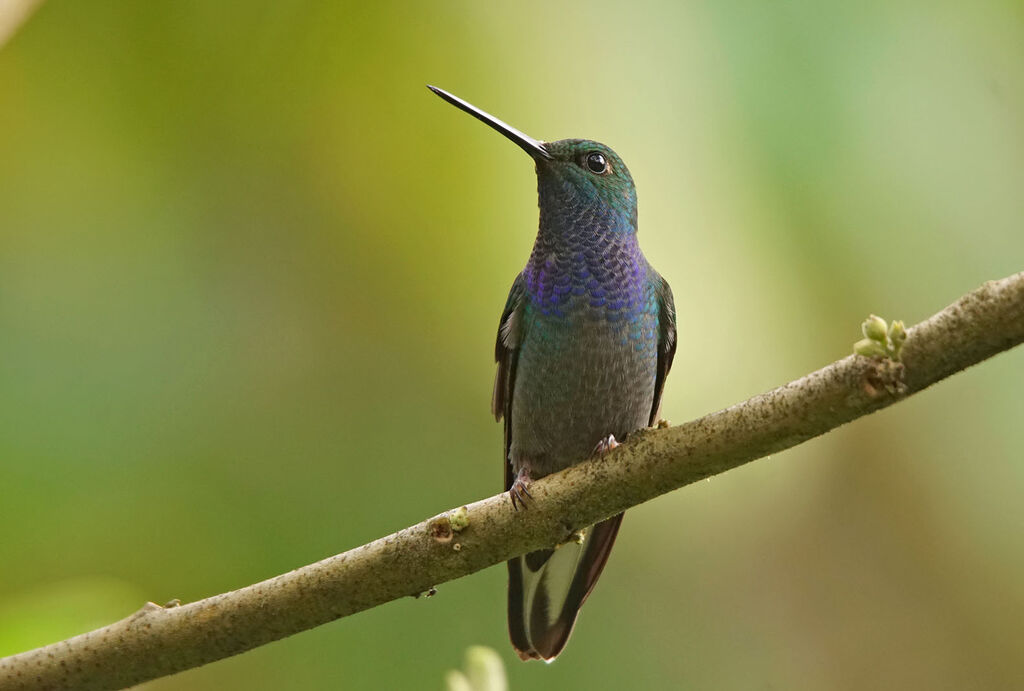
(506, 354)
(666, 341)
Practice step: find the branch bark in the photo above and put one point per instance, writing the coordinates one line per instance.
(158, 641)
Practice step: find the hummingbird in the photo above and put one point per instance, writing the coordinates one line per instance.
(583, 348)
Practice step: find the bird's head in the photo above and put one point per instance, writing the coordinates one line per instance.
(573, 175)
(584, 173)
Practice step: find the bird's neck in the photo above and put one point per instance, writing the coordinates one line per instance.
(568, 208)
(584, 249)
(574, 218)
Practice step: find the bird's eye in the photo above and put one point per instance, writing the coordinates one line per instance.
(597, 163)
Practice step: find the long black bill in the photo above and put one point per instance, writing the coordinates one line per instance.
(528, 144)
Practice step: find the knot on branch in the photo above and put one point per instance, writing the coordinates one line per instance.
(885, 378)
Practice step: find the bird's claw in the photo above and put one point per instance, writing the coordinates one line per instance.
(519, 492)
(605, 445)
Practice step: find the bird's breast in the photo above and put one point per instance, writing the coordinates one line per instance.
(587, 363)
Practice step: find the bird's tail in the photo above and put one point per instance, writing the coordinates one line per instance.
(546, 589)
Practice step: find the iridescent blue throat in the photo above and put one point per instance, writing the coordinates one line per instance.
(586, 259)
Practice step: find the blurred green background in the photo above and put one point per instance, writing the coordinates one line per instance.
(251, 271)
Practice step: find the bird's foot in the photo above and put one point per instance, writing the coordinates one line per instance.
(605, 445)
(519, 492)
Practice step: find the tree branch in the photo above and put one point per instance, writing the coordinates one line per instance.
(157, 641)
